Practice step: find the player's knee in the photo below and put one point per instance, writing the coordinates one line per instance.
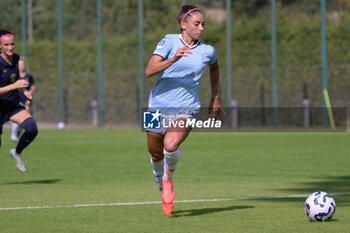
(156, 153)
(171, 146)
(157, 157)
(30, 127)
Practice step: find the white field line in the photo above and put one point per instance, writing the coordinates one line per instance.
(159, 202)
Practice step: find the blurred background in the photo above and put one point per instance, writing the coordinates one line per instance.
(88, 56)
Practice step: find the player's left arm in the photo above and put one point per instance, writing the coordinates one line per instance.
(28, 94)
(214, 105)
(32, 88)
(20, 83)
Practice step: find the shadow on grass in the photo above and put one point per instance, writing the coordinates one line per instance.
(196, 212)
(339, 185)
(46, 181)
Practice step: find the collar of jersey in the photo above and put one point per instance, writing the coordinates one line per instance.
(2, 61)
(192, 47)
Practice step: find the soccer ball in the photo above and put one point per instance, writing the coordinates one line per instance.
(320, 206)
(60, 125)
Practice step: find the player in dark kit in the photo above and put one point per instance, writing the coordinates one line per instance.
(23, 74)
(11, 106)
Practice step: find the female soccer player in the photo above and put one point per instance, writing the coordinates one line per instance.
(23, 74)
(179, 62)
(11, 107)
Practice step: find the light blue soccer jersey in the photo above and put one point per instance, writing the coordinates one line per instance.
(177, 85)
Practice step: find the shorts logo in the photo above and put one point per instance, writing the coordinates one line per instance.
(151, 120)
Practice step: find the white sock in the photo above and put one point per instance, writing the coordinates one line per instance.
(171, 159)
(14, 128)
(158, 169)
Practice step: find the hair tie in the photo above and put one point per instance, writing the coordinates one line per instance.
(189, 12)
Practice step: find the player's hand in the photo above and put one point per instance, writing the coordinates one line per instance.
(28, 95)
(215, 108)
(182, 52)
(21, 83)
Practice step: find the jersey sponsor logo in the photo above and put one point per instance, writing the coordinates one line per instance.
(12, 77)
(4, 71)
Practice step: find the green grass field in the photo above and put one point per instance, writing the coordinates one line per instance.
(70, 167)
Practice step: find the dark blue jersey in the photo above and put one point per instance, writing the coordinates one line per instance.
(9, 74)
(30, 79)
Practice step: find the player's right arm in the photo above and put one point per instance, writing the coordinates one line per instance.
(20, 83)
(158, 64)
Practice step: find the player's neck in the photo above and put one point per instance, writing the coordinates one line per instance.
(8, 59)
(22, 74)
(188, 40)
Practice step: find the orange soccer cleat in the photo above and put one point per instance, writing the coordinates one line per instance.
(168, 196)
(168, 208)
